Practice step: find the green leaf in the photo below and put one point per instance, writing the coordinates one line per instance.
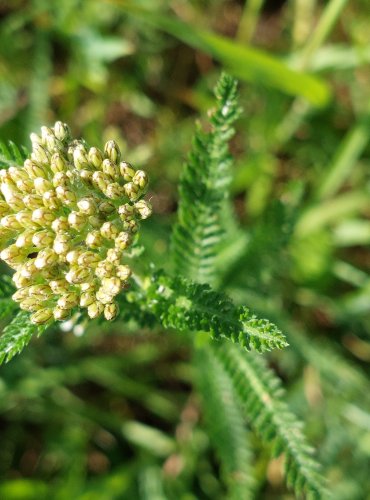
(17, 335)
(246, 63)
(186, 306)
(259, 391)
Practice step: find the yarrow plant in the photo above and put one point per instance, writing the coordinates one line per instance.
(68, 215)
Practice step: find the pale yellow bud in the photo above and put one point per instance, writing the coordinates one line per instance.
(88, 259)
(28, 270)
(66, 196)
(68, 300)
(42, 185)
(132, 191)
(80, 158)
(24, 217)
(60, 225)
(94, 239)
(95, 157)
(10, 222)
(96, 221)
(42, 316)
(87, 298)
(61, 314)
(35, 139)
(114, 256)
(73, 255)
(40, 292)
(114, 191)
(25, 239)
(86, 175)
(143, 208)
(46, 258)
(21, 294)
(87, 206)
(78, 274)
(111, 169)
(95, 310)
(112, 151)
(111, 311)
(4, 208)
(51, 200)
(103, 296)
(141, 179)
(77, 220)
(10, 253)
(61, 179)
(62, 243)
(131, 226)
(123, 241)
(89, 286)
(109, 230)
(59, 286)
(35, 170)
(123, 272)
(17, 174)
(112, 285)
(61, 131)
(25, 185)
(126, 212)
(101, 180)
(33, 201)
(15, 201)
(43, 239)
(127, 171)
(104, 269)
(58, 163)
(30, 304)
(21, 281)
(106, 207)
(40, 154)
(43, 216)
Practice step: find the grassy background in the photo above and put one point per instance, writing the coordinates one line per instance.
(114, 414)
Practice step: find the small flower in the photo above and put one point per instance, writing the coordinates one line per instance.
(67, 217)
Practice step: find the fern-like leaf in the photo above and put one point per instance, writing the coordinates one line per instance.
(186, 306)
(17, 335)
(226, 427)
(204, 187)
(10, 155)
(7, 304)
(259, 391)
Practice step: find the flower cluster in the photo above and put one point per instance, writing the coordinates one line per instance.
(67, 216)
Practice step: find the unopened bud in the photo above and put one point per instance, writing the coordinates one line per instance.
(113, 256)
(111, 169)
(132, 191)
(66, 196)
(24, 240)
(127, 171)
(43, 216)
(10, 222)
(112, 151)
(111, 311)
(59, 286)
(94, 239)
(77, 220)
(68, 300)
(40, 154)
(61, 314)
(106, 207)
(80, 158)
(42, 316)
(95, 157)
(123, 272)
(104, 269)
(42, 185)
(46, 258)
(126, 212)
(143, 208)
(62, 243)
(101, 180)
(58, 163)
(60, 225)
(87, 206)
(87, 298)
(95, 309)
(141, 179)
(33, 201)
(51, 200)
(114, 191)
(123, 241)
(61, 131)
(34, 169)
(109, 230)
(78, 274)
(112, 285)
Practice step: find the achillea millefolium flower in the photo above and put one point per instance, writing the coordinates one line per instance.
(67, 217)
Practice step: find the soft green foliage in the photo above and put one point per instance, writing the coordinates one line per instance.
(132, 409)
(17, 335)
(204, 187)
(186, 306)
(259, 391)
(226, 426)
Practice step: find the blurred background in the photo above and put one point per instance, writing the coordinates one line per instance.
(115, 413)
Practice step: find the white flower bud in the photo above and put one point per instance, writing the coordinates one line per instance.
(24, 240)
(60, 225)
(58, 163)
(114, 256)
(34, 170)
(87, 206)
(94, 239)
(40, 154)
(51, 200)
(114, 191)
(80, 158)
(112, 151)
(87, 298)
(123, 241)
(143, 208)
(109, 230)
(112, 285)
(68, 300)
(42, 185)
(127, 171)
(123, 272)
(111, 169)
(132, 191)
(10, 222)
(61, 314)
(42, 316)
(88, 259)
(95, 310)
(62, 243)
(95, 157)
(141, 179)
(61, 131)
(46, 258)
(78, 274)
(111, 311)
(43, 216)
(33, 201)
(77, 220)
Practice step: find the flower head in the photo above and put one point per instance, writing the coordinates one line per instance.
(66, 218)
